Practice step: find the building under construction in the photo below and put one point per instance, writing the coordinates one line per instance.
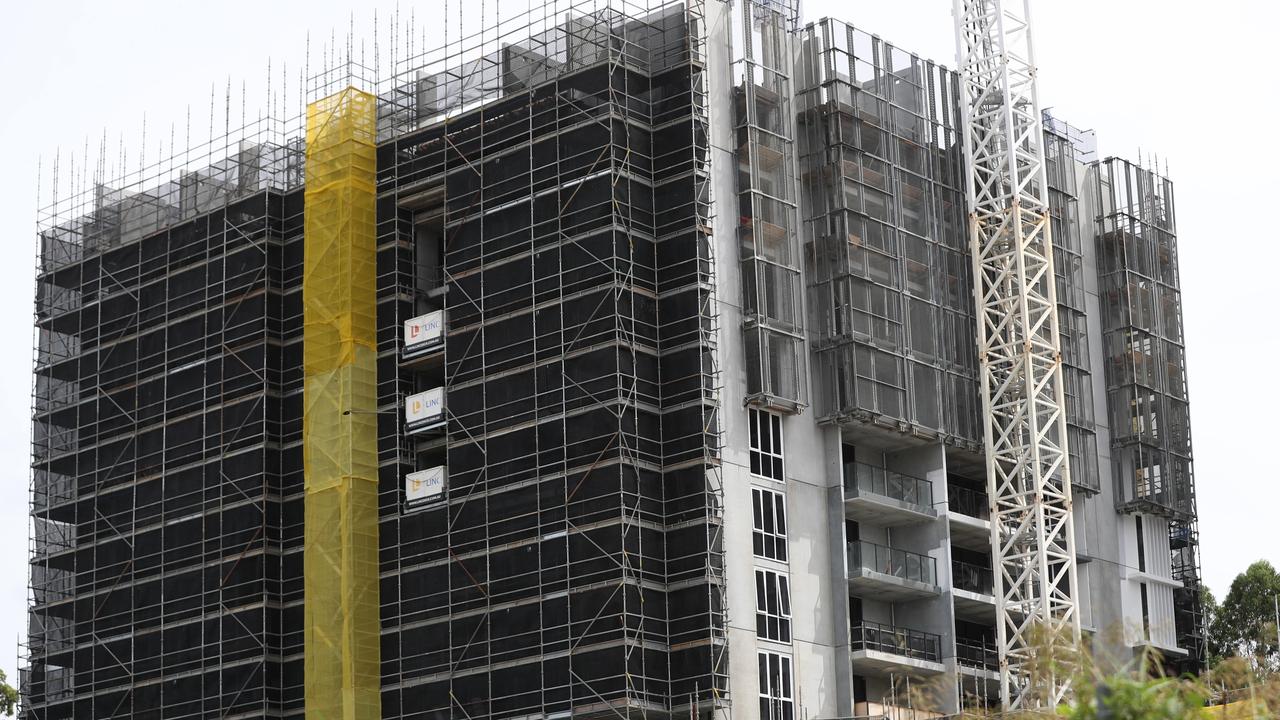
(619, 360)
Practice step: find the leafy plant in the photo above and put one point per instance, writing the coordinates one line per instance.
(8, 696)
(1245, 623)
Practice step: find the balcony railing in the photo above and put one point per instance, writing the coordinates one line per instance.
(969, 502)
(871, 557)
(896, 641)
(979, 654)
(971, 577)
(866, 478)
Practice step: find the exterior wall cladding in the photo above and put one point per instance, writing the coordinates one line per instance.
(641, 508)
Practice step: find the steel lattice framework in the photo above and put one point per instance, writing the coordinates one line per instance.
(1028, 480)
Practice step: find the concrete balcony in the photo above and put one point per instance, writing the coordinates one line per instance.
(969, 518)
(979, 658)
(878, 649)
(886, 498)
(973, 590)
(890, 574)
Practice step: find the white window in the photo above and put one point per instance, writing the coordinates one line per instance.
(769, 524)
(766, 444)
(775, 687)
(773, 606)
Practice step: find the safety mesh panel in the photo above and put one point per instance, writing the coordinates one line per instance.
(339, 427)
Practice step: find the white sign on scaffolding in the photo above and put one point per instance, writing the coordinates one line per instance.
(424, 330)
(424, 485)
(424, 408)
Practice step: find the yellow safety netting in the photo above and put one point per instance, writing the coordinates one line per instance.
(339, 421)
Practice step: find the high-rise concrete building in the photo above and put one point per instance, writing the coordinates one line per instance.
(616, 361)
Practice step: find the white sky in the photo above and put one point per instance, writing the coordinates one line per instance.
(1160, 75)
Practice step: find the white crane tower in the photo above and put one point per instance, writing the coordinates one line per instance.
(1028, 479)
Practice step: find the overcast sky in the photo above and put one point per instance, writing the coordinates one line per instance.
(1190, 83)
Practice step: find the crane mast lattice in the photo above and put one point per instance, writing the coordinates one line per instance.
(1025, 435)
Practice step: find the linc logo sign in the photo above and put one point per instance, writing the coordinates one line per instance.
(424, 330)
(424, 485)
(424, 407)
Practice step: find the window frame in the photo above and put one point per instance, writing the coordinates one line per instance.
(766, 445)
(773, 605)
(777, 702)
(769, 524)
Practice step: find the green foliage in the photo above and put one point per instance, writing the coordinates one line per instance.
(1235, 688)
(1218, 647)
(1136, 693)
(8, 697)
(1122, 697)
(1245, 623)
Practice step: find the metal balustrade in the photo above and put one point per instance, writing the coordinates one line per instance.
(904, 564)
(971, 577)
(969, 502)
(981, 654)
(864, 478)
(896, 640)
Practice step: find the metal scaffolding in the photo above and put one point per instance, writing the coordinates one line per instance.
(155, 494)
(889, 281)
(534, 361)
(567, 217)
(769, 257)
(1065, 146)
(1147, 375)
(544, 183)
(569, 213)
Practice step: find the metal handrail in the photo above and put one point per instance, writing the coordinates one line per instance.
(896, 640)
(871, 479)
(972, 577)
(977, 653)
(891, 561)
(969, 502)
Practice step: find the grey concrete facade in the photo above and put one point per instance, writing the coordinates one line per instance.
(889, 545)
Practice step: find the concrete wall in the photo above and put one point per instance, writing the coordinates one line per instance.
(809, 482)
(740, 593)
(808, 457)
(1096, 520)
